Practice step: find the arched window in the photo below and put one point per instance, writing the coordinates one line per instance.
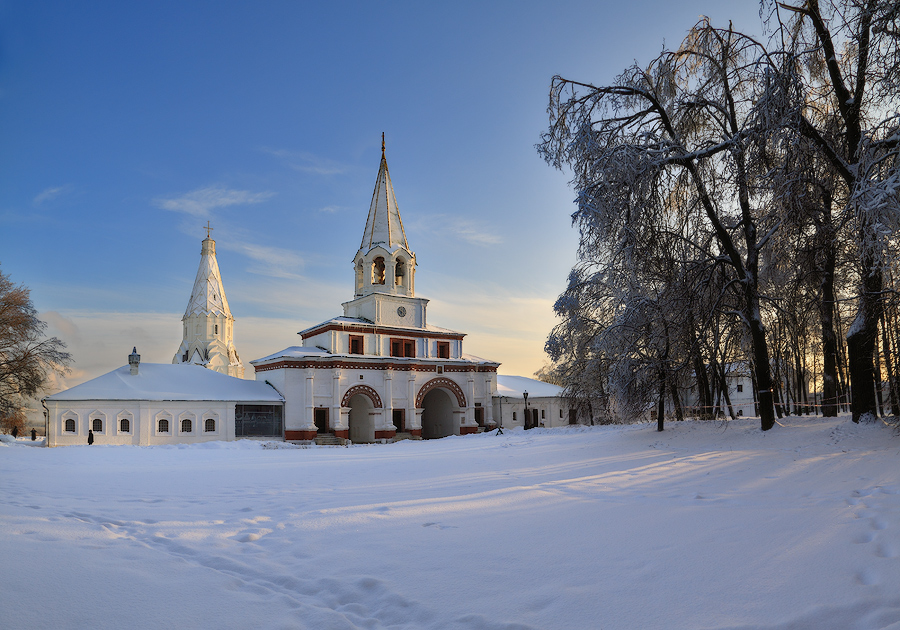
(185, 426)
(124, 425)
(359, 277)
(378, 271)
(399, 271)
(210, 425)
(97, 424)
(163, 426)
(70, 425)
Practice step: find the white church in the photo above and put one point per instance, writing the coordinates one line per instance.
(377, 373)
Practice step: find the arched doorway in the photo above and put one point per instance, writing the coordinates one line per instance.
(437, 415)
(361, 421)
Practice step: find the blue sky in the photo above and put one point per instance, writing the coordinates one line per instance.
(126, 126)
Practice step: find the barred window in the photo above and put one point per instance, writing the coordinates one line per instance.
(70, 425)
(185, 426)
(124, 425)
(97, 424)
(163, 426)
(210, 425)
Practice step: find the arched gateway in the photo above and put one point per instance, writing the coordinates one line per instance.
(443, 406)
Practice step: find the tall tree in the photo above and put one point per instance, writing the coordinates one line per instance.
(670, 149)
(27, 355)
(851, 51)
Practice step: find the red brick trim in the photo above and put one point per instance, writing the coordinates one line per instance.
(445, 383)
(342, 433)
(365, 390)
(299, 435)
(386, 434)
(415, 432)
(467, 430)
(332, 364)
(383, 330)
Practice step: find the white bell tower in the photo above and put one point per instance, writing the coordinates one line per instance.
(385, 267)
(208, 326)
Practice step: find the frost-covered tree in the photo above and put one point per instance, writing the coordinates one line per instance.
(27, 355)
(848, 56)
(672, 150)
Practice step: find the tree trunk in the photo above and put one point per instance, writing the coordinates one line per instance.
(861, 345)
(888, 362)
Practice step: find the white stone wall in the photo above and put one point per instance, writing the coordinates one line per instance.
(552, 411)
(143, 418)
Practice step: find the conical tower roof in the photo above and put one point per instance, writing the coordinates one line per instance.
(208, 294)
(383, 226)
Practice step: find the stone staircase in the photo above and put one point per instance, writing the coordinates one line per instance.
(329, 439)
(405, 436)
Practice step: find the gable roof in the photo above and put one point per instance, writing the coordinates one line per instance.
(164, 381)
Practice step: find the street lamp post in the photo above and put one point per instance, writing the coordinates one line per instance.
(527, 418)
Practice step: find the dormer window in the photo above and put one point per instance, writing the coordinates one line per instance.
(378, 270)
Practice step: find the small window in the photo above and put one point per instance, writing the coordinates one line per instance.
(403, 348)
(514, 416)
(216, 329)
(97, 424)
(740, 387)
(163, 426)
(70, 425)
(356, 344)
(186, 426)
(210, 425)
(543, 414)
(440, 369)
(560, 413)
(443, 348)
(124, 425)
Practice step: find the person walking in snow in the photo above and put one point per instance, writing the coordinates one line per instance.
(90, 436)
(33, 435)
(15, 432)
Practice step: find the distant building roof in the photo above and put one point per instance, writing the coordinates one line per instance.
(516, 386)
(163, 381)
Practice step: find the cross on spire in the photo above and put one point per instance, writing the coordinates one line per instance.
(382, 145)
(208, 229)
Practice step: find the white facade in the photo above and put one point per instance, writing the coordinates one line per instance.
(546, 406)
(207, 325)
(381, 369)
(156, 404)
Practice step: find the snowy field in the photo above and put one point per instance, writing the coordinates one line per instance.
(702, 526)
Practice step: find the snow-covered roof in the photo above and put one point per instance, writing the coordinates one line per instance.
(383, 226)
(165, 381)
(337, 321)
(208, 294)
(294, 352)
(516, 386)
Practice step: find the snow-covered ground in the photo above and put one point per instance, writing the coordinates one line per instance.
(701, 526)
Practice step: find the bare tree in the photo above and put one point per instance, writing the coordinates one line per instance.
(27, 356)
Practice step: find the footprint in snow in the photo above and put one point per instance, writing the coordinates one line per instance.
(439, 526)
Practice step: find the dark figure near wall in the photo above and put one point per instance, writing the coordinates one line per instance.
(15, 432)
(34, 435)
(90, 436)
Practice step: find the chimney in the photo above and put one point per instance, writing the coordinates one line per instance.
(134, 360)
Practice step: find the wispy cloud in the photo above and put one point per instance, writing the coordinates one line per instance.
(307, 162)
(274, 262)
(49, 194)
(200, 202)
(469, 230)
